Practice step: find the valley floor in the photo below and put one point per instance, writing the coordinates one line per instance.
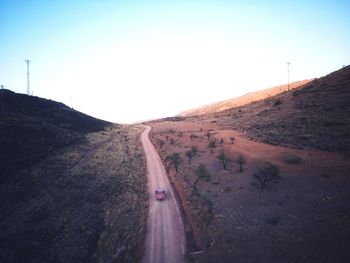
(300, 216)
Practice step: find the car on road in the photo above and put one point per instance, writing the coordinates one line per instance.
(160, 194)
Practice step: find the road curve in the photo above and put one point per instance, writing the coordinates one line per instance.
(165, 239)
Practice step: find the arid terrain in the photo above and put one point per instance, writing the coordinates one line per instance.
(261, 178)
(73, 188)
(243, 100)
(289, 200)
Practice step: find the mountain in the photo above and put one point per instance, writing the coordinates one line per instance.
(242, 100)
(32, 127)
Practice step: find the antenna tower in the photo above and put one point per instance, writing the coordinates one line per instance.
(28, 89)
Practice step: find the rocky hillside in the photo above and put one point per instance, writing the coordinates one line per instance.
(315, 116)
(32, 127)
(242, 100)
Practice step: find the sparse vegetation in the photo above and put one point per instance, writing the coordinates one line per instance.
(291, 158)
(175, 159)
(193, 136)
(208, 134)
(191, 153)
(268, 173)
(212, 145)
(202, 173)
(241, 162)
(160, 143)
(224, 160)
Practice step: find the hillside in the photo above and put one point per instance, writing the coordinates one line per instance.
(73, 188)
(315, 116)
(32, 127)
(267, 181)
(242, 100)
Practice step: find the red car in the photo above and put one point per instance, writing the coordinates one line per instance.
(160, 194)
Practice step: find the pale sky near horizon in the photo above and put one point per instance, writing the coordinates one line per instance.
(125, 61)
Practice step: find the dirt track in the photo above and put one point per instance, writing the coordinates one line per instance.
(165, 240)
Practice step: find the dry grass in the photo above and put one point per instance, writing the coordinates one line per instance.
(83, 203)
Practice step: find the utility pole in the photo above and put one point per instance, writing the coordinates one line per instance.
(288, 73)
(28, 90)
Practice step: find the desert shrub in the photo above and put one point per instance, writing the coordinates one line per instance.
(277, 102)
(175, 159)
(272, 220)
(227, 189)
(266, 174)
(212, 145)
(201, 172)
(241, 161)
(208, 134)
(291, 159)
(191, 153)
(161, 143)
(193, 136)
(224, 160)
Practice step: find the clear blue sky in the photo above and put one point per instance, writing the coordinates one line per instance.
(125, 61)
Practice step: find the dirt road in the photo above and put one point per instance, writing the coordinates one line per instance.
(165, 240)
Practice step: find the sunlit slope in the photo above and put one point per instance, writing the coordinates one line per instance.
(242, 100)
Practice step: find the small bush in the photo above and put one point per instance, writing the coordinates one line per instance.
(273, 220)
(291, 159)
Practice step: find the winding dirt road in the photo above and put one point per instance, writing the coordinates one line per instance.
(165, 240)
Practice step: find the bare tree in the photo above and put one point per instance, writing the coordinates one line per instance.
(202, 173)
(212, 145)
(232, 139)
(241, 161)
(208, 134)
(160, 143)
(266, 174)
(175, 160)
(224, 160)
(191, 153)
(192, 136)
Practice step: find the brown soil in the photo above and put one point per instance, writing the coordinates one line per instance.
(300, 218)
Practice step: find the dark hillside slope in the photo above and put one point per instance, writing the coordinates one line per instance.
(31, 127)
(316, 116)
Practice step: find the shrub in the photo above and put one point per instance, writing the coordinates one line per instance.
(291, 159)
(241, 161)
(212, 145)
(191, 153)
(175, 159)
(268, 173)
(202, 173)
(224, 160)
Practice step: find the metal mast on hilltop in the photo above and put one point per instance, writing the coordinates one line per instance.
(28, 89)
